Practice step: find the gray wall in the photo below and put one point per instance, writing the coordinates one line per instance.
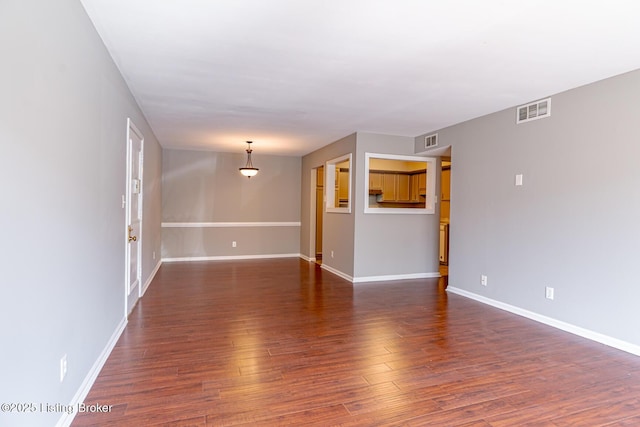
(368, 245)
(573, 225)
(391, 244)
(63, 119)
(338, 228)
(206, 187)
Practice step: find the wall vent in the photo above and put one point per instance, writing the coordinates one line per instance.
(534, 111)
(431, 141)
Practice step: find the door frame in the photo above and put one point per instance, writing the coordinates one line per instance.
(313, 217)
(131, 127)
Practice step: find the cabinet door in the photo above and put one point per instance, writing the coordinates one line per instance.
(414, 188)
(343, 186)
(389, 187)
(445, 184)
(403, 194)
(375, 181)
(422, 183)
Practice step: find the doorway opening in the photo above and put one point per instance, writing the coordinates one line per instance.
(445, 214)
(319, 197)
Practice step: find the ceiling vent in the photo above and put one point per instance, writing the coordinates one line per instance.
(431, 141)
(534, 111)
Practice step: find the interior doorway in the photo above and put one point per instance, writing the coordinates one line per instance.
(319, 194)
(445, 214)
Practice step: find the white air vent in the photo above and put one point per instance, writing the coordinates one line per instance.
(534, 111)
(431, 141)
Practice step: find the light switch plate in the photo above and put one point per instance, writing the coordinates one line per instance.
(549, 292)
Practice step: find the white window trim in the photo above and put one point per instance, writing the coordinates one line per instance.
(330, 182)
(430, 199)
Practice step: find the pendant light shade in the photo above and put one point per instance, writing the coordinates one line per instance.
(249, 170)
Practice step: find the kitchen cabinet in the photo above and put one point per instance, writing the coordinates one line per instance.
(375, 182)
(341, 189)
(396, 187)
(422, 184)
(415, 195)
(445, 185)
(389, 187)
(418, 187)
(403, 194)
(343, 185)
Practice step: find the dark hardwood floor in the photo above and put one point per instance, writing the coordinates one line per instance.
(282, 342)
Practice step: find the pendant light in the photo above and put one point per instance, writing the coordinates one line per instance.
(249, 170)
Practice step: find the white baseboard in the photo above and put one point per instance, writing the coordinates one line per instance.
(391, 277)
(66, 419)
(337, 272)
(306, 258)
(567, 327)
(229, 224)
(362, 279)
(151, 276)
(229, 258)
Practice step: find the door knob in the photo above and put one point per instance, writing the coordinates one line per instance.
(132, 238)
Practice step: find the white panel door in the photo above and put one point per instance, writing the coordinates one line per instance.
(133, 216)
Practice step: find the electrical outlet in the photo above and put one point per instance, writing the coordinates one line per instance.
(548, 292)
(519, 179)
(154, 254)
(63, 367)
(483, 280)
(234, 244)
(331, 254)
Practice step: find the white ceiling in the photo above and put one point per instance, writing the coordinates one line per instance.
(295, 75)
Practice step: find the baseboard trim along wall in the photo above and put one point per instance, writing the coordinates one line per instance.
(151, 276)
(363, 279)
(66, 419)
(567, 327)
(390, 277)
(228, 224)
(229, 258)
(306, 258)
(337, 272)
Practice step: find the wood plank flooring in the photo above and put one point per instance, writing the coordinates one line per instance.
(282, 342)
